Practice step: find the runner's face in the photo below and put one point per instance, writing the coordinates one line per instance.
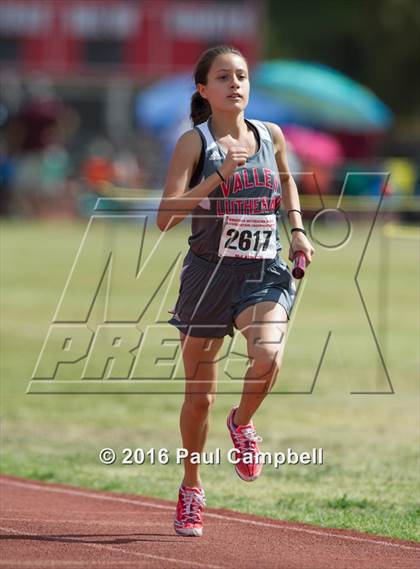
(227, 86)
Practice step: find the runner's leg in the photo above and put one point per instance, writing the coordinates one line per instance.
(199, 356)
(264, 326)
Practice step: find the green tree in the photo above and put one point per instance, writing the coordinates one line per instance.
(376, 42)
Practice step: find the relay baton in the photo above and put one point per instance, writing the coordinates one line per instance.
(299, 265)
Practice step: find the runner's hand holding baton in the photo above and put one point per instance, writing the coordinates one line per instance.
(299, 257)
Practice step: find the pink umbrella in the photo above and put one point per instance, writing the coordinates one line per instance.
(313, 145)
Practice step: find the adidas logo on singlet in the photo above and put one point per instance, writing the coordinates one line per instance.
(214, 155)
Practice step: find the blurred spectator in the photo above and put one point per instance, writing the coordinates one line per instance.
(36, 136)
(7, 172)
(402, 175)
(98, 170)
(128, 173)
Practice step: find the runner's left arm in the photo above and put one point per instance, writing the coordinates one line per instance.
(299, 241)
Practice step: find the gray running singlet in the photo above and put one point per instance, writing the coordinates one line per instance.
(253, 190)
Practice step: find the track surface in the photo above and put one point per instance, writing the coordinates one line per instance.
(59, 527)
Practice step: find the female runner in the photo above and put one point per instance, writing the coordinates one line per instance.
(231, 175)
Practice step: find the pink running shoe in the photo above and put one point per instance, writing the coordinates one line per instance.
(188, 518)
(245, 440)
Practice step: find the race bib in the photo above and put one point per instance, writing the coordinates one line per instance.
(248, 236)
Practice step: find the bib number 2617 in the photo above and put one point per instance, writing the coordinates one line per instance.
(248, 236)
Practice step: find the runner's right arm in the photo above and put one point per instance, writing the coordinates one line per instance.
(177, 202)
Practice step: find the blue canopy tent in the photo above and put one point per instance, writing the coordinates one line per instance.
(322, 97)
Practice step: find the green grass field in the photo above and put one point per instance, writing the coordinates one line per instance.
(369, 480)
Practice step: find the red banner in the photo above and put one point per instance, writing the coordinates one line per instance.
(145, 39)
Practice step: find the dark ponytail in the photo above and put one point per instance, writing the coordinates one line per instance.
(200, 108)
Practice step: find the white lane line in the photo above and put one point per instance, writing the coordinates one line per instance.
(87, 494)
(107, 547)
(322, 533)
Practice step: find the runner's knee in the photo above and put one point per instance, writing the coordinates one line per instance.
(199, 403)
(265, 362)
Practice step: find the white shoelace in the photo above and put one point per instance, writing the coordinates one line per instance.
(193, 504)
(247, 439)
